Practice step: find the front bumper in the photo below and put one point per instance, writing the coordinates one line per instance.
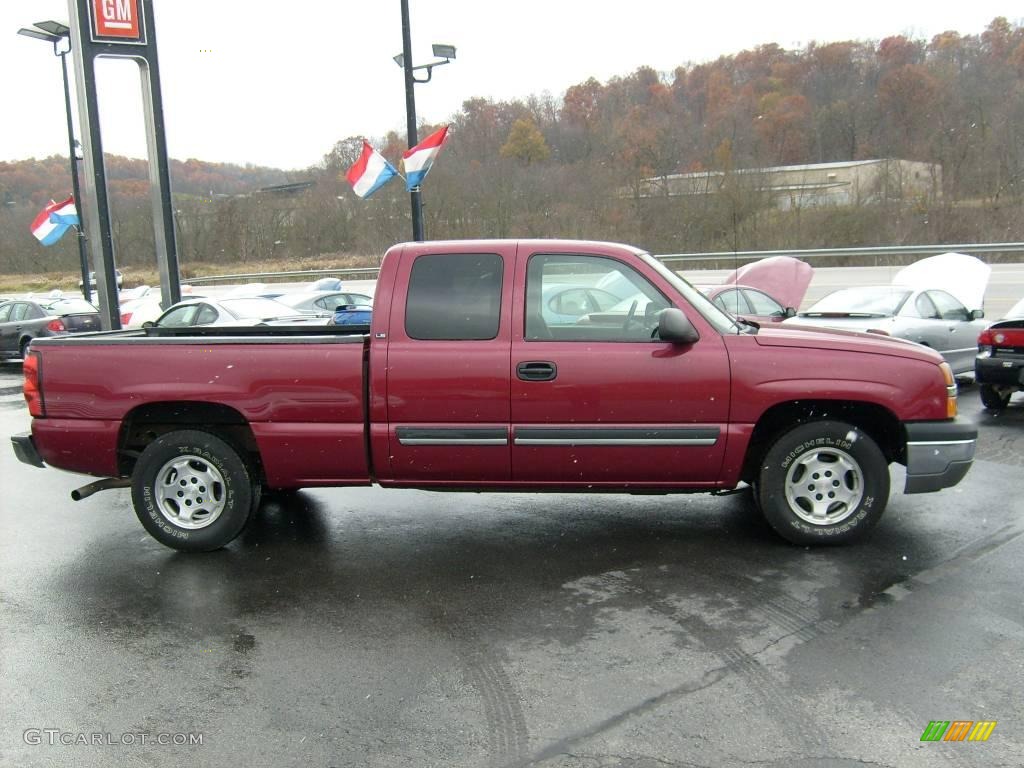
(939, 453)
(25, 449)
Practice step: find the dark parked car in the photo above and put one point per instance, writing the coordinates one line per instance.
(22, 320)
(999, 366)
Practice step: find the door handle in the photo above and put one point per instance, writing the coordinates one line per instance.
(536, 370)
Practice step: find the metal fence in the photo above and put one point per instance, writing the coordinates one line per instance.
(873, 256)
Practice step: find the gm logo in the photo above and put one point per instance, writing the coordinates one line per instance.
(117, 20)
(958, 730)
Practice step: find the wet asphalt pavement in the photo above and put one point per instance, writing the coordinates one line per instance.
(378, 628)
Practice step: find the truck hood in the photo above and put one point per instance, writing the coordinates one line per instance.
(782, 277)
(807, 337)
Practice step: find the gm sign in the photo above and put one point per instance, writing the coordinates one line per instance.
(117, 21)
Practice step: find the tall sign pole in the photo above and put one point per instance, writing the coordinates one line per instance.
(122, 29)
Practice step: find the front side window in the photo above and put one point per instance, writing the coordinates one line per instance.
(588, 298)
(5, 312)
(454, 297)
(949, 308)
(762, 304)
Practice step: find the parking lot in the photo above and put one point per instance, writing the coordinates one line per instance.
(363, 627)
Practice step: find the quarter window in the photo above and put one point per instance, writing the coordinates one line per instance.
(454, 296)
(732, 301)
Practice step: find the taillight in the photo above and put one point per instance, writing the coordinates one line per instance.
(985, 342)
(126, 317)
(947, 374)
(56, 325)
(33, 388)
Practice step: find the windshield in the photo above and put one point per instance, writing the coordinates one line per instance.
(719, 319)
(877, 302)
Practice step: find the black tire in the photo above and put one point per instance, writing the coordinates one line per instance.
(824, 482)
(991, 399)
(193, 473)
(23, 348)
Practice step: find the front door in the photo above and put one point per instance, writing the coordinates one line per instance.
(596, 401)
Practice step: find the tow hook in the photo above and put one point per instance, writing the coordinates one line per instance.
(100, 485)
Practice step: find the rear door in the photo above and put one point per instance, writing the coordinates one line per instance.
(596, 401)
(447, 367)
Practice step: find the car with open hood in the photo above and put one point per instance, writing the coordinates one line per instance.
(936, 302)
(768, 290)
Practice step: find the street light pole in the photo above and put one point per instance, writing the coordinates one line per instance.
(83, 256)
(54, 32)
(445, 54)
(410, 117)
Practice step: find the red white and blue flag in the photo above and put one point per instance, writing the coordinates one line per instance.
(370, 172)
(54, 220)
(417, 161)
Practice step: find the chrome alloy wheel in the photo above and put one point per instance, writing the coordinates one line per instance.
(191, 492)
(824, 486)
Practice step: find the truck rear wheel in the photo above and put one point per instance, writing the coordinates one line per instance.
(824, 482)
(193, 491)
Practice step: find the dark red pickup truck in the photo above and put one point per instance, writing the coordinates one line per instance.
(501, 365)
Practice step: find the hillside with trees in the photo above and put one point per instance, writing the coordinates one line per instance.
(574, 166)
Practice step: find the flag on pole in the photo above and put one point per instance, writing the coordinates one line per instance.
(370, 172)
(54, 220)
(418, 160)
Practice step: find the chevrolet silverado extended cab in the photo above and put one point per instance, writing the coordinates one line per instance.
(509, 365)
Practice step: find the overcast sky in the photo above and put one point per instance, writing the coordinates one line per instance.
(279, 83)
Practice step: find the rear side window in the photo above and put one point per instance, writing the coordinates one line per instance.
(454, 297)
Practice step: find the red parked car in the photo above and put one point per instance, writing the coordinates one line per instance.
(999, 366)
(767, 291)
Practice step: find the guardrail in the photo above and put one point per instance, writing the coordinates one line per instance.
(314, 273)
(876, 252)
(732, 257)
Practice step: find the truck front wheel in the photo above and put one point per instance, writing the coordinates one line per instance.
(824, 482)
(193, 491)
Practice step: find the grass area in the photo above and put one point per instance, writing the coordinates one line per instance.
(67, 280)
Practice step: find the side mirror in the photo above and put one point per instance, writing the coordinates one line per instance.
(149, 324)
(676, 327)
(790, 312)
(977, 314)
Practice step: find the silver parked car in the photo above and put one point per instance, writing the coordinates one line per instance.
(930, 317)
(322, 302)
(236, 311)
